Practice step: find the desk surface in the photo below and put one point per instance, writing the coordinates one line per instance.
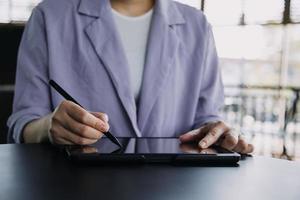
(42, 172)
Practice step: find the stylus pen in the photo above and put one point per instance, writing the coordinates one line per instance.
(63, 93)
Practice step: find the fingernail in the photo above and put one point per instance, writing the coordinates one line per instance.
(105, 127)
(106, 117)
(202, 144)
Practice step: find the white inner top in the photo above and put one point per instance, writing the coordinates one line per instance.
(134, 33)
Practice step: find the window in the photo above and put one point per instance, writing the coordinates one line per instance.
(295, 10)
(293, 73)
(16, 10)
(250, 55)
(263, 11)
(194, 3)
(220, 13)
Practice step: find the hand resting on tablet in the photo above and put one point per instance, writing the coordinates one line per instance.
(220, 134)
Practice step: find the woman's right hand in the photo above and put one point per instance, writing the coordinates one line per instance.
(71, 124)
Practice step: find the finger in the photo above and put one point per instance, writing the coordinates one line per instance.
(212, 136)
(62, 141)
(194, 135)
(73, 138)
(54, 136)
(208, 151)
(242, 146)
(84, 117)
(250, 148)
(81, 129)
(187, 148)
(230, 140)
(89, 149)
(102, 116)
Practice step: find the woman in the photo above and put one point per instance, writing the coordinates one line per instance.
(140, 67)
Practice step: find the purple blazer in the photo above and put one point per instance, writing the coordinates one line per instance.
(75, 43)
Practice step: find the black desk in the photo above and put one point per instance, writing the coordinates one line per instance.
(42, 172)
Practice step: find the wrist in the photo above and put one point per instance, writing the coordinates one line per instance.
(45, 127)
(37, 130)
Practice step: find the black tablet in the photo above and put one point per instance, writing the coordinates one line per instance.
(150, 150)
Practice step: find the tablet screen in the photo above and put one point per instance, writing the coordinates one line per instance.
(145, 146)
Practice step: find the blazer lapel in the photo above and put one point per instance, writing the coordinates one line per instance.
(162, 46)
(104, 37)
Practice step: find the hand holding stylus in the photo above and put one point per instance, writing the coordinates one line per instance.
(87, 119)
(71, 124)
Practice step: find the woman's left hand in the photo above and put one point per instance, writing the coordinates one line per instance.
(220, 134)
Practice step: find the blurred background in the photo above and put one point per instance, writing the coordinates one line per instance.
(258, 42)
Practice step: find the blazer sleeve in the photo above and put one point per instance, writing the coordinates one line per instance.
(32, 94)
(211, 98)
